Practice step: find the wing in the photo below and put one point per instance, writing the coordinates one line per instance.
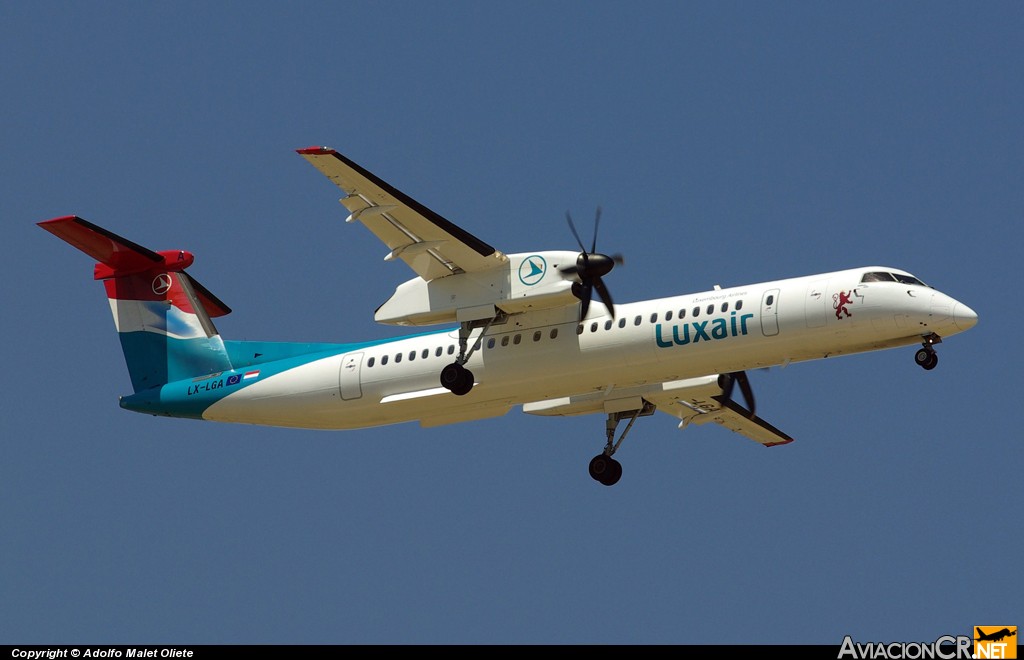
(702, 400)
(430, 244)
(697, 400)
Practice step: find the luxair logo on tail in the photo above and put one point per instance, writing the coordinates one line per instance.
(995, 641)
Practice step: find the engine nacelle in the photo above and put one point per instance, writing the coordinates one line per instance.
(528, 281)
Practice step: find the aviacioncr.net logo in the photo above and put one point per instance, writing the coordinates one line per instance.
(946, 647)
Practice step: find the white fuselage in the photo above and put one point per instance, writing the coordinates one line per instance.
(545, 355)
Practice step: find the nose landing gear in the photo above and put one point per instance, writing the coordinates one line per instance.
(926, 357)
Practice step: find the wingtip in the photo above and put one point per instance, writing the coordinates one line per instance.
(315, 151)
(63, 218)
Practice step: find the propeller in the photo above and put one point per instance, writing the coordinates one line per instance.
(728, 382)
(590, 267)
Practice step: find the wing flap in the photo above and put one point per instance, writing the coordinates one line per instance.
(738, 419)
(402, 223)
(692, 400)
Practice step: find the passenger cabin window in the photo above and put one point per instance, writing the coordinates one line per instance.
(593, 326)
(696, 312)
(438, 352)
(769, 300)
(451, 349)
(739, 305)
(711, 309)
(383, 360)
(682, 314)
(553, 333)
(622, 322)
(426, 353)
(398, 358)
(579, 329)
(725, 307)
(517, 339)
(536, 336)
(654, 317)
(369, 362)
(504, 340)
(412, 355)
(608, 325)
(490, 343)
(638, 320)
(668, 315)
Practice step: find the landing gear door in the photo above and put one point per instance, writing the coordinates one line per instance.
(348, 377)
(770, 313)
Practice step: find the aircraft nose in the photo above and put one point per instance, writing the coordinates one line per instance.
(964, 317)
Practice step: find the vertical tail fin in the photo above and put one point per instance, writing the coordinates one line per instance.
(162, 315)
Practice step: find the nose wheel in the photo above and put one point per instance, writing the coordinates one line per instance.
(926, 357)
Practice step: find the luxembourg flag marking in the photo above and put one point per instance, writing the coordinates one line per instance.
(251, 374)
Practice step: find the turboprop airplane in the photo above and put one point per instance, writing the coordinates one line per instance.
(522, 332)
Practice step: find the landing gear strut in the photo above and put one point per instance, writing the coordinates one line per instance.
(603, 468)
(926, 357)
(456, 377)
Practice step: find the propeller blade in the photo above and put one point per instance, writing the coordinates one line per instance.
(606, 297)
(572, 227)
(748, 392)
(618, 259)
(586, 291)
(726, 382)
(597, 221)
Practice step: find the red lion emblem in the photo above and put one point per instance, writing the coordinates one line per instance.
(839, 302)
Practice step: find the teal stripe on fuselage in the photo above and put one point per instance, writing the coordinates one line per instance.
(190, 397)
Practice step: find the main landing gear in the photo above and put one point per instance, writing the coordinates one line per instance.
(926, 357)
(456, 377)
(604, 468)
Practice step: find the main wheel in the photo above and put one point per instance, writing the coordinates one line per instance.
(614, 474)
(451, 376)
(924, 356)
(605, 469)
(933, 361)
(465, 383)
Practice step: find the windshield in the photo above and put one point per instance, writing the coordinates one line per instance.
(883, 276)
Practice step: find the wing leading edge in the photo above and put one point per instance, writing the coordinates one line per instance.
(432, 245)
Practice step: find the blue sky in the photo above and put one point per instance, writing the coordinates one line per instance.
(727, 142)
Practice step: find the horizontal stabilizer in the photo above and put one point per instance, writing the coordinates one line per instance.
(104, 246)
(118, 257)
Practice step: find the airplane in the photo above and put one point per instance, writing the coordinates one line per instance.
(996, 636)
(520, 331)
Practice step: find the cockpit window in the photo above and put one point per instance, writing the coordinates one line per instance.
(908, 279)
(891, 277)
